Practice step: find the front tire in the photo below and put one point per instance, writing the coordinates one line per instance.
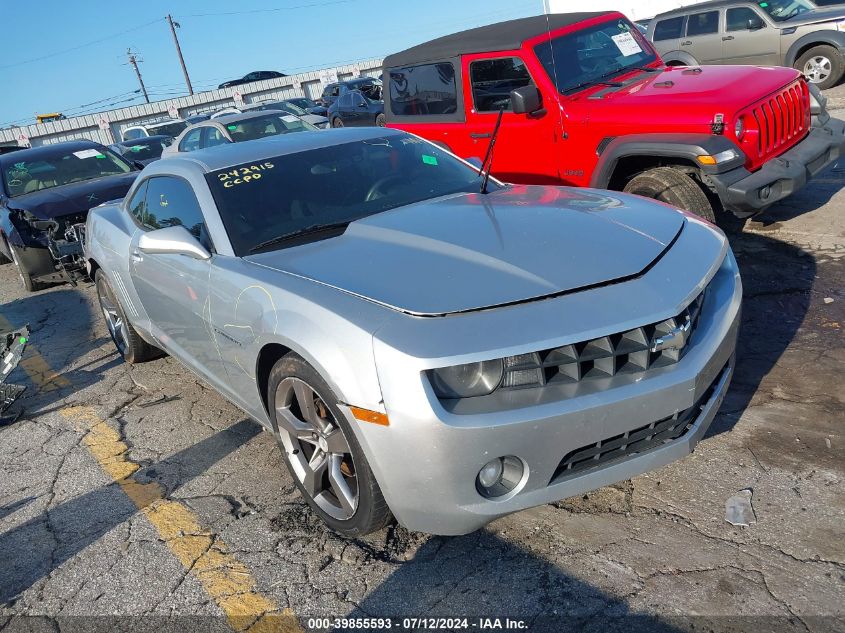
(674, 188)
(337, 122)
(322, 453)
(381, 120)
(29, 284)
(132, 348)
(823, 66)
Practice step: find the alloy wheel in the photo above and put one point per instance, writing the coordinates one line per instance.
(317, 449)
(114, 322)
(818, 68)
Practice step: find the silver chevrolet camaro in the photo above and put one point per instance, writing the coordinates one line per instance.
(421, 349)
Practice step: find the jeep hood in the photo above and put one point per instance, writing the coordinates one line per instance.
(472, 251)
(703, 90)
(74, 198)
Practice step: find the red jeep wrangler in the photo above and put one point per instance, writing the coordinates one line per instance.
(588, 102)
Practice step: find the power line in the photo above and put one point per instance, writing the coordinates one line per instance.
(300, 6)
(76, 48)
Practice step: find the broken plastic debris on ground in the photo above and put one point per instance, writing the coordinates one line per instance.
(738, 509)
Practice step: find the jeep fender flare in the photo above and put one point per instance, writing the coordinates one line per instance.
(679, 57)
(681, 146)
(832, 38)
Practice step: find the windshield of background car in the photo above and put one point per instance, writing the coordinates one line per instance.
(268, 198)
(287, 106)
(169, 129)
(780, 10)
(593, 54)
(302, 103)
(372, 91)
(270, 125)
(144, 150)
(62, 168)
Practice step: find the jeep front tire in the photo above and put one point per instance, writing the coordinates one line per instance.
(673, 187)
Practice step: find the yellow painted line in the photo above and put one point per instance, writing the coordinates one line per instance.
(33, 363)
(202, 553)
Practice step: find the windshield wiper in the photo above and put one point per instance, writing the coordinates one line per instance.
(308, 230)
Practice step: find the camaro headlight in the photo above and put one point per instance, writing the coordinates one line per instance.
(467, 381)
(739, 128)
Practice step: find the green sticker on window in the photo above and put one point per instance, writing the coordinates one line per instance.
(99, 155)
(231, 128)
(429, 160)
(23, 340)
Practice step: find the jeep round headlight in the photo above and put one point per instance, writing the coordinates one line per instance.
(467, 381)
(739, 128)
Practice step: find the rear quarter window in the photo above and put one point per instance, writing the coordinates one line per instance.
(424, 90)
(670, 29)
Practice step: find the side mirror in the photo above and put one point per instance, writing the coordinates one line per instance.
(526, 100)
(755, 25)
(138, 164)
(174, 240)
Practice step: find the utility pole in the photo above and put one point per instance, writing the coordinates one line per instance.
(173, 27)
(134, 62)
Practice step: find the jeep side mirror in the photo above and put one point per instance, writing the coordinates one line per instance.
(173, 240)
(526, 100)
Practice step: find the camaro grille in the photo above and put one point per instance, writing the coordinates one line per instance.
(635, 351)
(638, 440)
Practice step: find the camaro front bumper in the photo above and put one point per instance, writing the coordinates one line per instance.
(427, 460)
(747, 193)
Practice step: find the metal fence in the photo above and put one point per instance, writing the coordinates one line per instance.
(106, 127)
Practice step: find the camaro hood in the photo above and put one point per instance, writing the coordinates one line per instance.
(471, 251)
(75, 198)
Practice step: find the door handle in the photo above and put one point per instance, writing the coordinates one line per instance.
(687, 43)
(728, 38)
(487, 135)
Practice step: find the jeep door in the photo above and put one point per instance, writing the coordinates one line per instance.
(525, 141)
(748, 39)
(703, 39)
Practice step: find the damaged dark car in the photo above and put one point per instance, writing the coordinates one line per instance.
(45, 195)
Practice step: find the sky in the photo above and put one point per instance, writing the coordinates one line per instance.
(70, 57)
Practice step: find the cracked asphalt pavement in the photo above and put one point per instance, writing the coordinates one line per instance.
(131, 493)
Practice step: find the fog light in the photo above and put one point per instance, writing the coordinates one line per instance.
(491, 473)
(500, 476)
(765, 192)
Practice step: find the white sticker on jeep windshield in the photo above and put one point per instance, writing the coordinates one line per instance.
(88, 153)
(289, 118)
(626, 44)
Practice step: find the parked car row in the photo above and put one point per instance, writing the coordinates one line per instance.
(433, 329)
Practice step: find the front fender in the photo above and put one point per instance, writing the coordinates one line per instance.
(833, 38)
(684, 146)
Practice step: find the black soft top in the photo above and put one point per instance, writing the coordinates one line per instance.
(495, 37)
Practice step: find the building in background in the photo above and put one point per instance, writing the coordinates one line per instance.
(634, 9)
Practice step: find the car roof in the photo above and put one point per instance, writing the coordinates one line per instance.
(144, 139)
(700, 7)
(495, 37)
(44, 151)
(223, 156)
(236, 117)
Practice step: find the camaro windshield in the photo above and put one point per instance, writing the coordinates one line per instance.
(780, 10)
(267, 199)
(594, 54)
(62, 168)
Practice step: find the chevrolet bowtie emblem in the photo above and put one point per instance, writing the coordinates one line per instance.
(91, 197)
(676, 338)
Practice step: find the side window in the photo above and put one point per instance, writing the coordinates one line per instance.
(213, 137)
(428, 89)
(744, 19)
(345, 101)
(703, 23)
(191, 142)
(171, 202)
(335, 91)
(357, 98)
(670, 29)
(137, 204)
(251, 76)
(492, 81)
